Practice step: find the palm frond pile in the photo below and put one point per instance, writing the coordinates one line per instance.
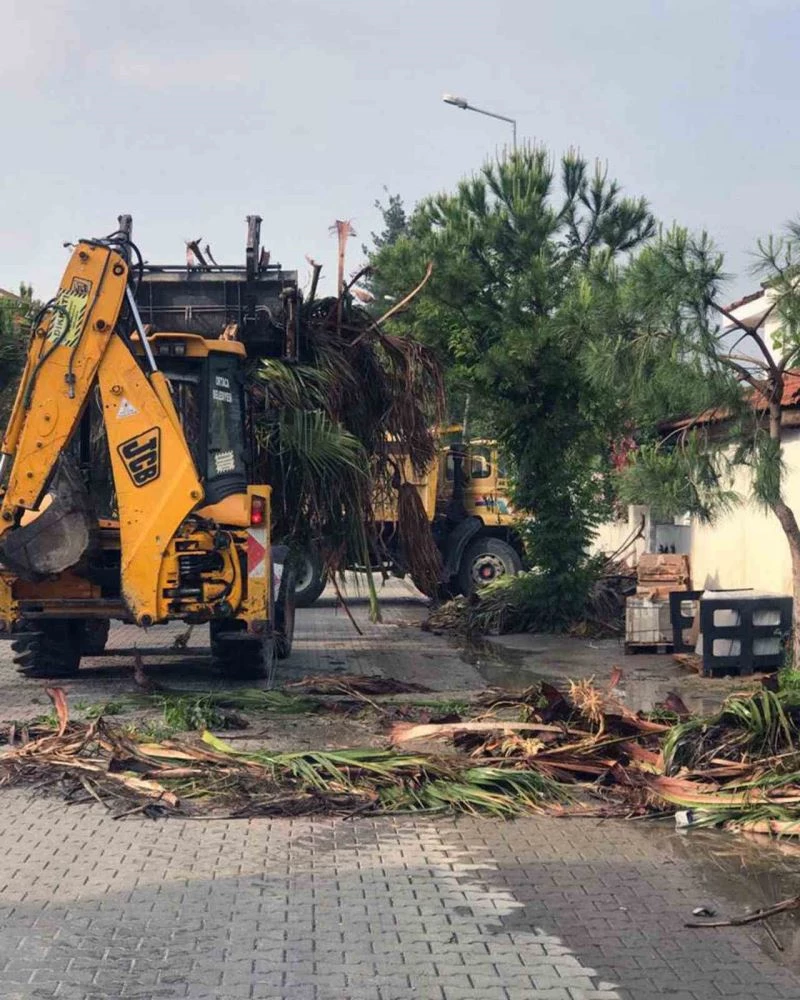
(578, 752)
(589, 601)
(343, 429)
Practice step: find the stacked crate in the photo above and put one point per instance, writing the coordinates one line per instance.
(648, 622)
(731, 631)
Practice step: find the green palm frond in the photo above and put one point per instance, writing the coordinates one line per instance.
(322, 446)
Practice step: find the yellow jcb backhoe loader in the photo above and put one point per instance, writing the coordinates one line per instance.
(124, 486)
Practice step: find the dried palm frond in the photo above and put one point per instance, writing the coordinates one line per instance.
(744, 765)
(420, 555)
(111, 765)
(329, 430)
(589, 701)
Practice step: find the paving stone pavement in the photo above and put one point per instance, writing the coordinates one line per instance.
(325, 640)
(403, 908)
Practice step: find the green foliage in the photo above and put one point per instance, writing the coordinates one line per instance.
(395, 221)
(530, 602)
(204, 709)
(14, 331)
(192, 712)
(516, 250)
(94, 711)
(789, 679)
(745, 728)
(150, 731)
(680, 361)
(677, 481)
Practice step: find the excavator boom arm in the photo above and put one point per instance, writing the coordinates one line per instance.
(64, 353)
(76, 347)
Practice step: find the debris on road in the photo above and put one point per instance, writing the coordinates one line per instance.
(363, 683)
(580, 752)
(101, 760)
(525, 603)
(784, 906)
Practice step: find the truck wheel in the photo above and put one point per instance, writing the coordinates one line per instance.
(239, 656)
(310, 578)
(48, 648)
(95, 636)
(284, 612)
(485, 560)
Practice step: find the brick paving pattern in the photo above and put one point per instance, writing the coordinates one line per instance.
(405, 908)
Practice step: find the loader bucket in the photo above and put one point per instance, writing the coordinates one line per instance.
(59, 536)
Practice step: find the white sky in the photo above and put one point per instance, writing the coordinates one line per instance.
(191, 115)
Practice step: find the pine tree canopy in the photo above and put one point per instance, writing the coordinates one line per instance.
(528, 257)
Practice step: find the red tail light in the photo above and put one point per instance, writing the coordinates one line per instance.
(257, 510)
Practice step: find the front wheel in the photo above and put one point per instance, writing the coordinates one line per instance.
(309, 579)
(485, 560)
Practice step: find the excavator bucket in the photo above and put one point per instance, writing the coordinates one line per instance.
(58, 537)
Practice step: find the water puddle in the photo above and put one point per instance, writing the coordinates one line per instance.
(746, 873)
(518, 661)
(743, 873)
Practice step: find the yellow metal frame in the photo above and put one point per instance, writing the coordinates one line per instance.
(159, 493)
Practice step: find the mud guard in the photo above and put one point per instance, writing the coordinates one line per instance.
(60, 536)
(456, 543)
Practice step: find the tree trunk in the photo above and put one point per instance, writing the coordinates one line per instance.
(788, 522)
(790, 527)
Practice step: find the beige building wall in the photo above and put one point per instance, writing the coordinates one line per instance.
(745, 548)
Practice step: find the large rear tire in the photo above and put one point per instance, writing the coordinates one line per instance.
(486, 560)
(310, 577)
(239, 656)
(49, 647)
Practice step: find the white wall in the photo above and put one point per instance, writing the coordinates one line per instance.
(612, 535)
(746, 548)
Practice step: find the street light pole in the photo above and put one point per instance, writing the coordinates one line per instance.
(460, 102)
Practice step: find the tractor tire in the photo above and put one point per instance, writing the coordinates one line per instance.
(95, 636)
(239, 656)
(485, 560)
(309, 577)
(285, 603)
(49, 648)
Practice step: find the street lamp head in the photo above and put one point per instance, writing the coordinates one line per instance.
(458, 102)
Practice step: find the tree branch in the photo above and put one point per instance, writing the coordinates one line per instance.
(749, 331)
(761, 388)
(747, 359)
(404, 302)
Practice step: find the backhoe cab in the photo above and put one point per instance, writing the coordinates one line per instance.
(124, 484)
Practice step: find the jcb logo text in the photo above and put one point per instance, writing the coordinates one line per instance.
(142, 456)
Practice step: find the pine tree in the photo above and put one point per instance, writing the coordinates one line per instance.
(511, 248)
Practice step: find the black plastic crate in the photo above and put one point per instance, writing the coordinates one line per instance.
(745, 660)
(680, 621)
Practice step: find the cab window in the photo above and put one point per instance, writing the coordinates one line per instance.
(225, 419)
(480, 465)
